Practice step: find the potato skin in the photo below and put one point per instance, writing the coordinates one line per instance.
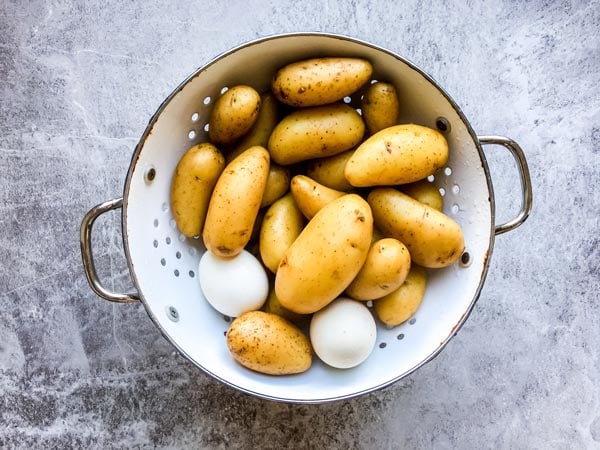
(330, 171)
(398, 306)
(239, 189)
(233, 114)
(433, 239)
(281, 225)
(380, 107)
(311, 196)
(326, 257)
(268, 344)
(320, 81)
(191, 187)
(268, 116)
(424, 192)
(278, 183)
(384, 270)
(273, 306)
(397, 155)
(315, 132)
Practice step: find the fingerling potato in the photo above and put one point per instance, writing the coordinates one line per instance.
(233, 114)
(398, 306)
(311, 196)
(380, 107)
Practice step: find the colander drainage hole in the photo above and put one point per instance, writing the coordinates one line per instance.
(163, 262)
(442, 191)
(172, 313)
(224, 89)
(455, 189)
(442, 124)
(206, 127)
(155, 243)
(150, 174)
(178, 255)
(383, 345)
(412, 321)
(447, 171)
(465, 259)
(431, 178)
(164, 207)
(195, 117)
(155, 223)
(206, 101)
(191, 274)
(227, 318)
(168, 240)
(455, 208)
(176, 272)
(192, 135)
(400, 336)
(347, 99)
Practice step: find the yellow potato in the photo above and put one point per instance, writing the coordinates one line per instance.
(311, 196)
(425, 192)
(233, 114)
(400, 305)
(274, 306)
(433, 239)
(330, 171)
(397, 155)
(235, 202)
(385, 269)
(191, 187)
(380, 107)
(281, 226)
(269, 344)
(326, 257)
(315, 132)
(278, 183)
(268, 115)
(320, 81)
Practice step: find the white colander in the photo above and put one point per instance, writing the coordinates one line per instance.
(163, 263)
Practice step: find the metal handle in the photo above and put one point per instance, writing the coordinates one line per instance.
(527, 195)
(85, 238)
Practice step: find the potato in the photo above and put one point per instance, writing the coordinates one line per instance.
(281, 226)
(315, 133)
(273, 306)
(397, 155)
(320, 81)
(235, 202)
(191, 187)
(380, 107)
(268, 116)
(269, 344)
(311, 196)
(433, 239)
(326, 257)
(400, 305)
(278, 183)
(385, 269)
(233, 114)
(330, 171)
(424, 192)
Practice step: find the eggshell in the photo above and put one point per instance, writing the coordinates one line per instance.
(235, 285)
(343, 333)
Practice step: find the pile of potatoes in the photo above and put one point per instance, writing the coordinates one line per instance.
(332, 202)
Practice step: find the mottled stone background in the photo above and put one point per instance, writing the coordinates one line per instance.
(78, 83)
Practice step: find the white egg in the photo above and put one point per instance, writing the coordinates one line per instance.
(235, 285)
(343, 333)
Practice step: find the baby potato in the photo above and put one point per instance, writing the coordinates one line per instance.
(235, 202)
(380, 107)
(281, 226)
(385, 269)
(191, 187)
(233, 114)
(269, 344)
(330, 171)
(320, 81)
(311, 196)
(433, 239)
(398, 306)
(326, 257)
(278, 183)
(425, 192)
(315, 133)
(268, 115)
(274, 306)
(397, 155)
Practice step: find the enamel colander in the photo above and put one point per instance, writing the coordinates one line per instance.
(164, 264)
